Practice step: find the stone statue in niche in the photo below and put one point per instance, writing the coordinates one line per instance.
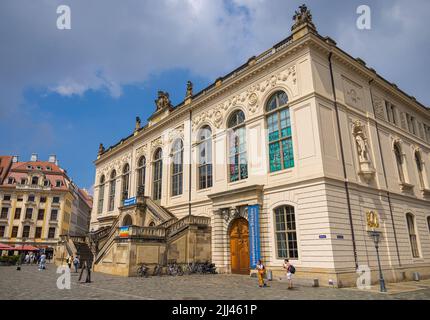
(366, 170)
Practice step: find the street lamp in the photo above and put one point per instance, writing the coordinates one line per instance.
(21, 254)
(376, 236)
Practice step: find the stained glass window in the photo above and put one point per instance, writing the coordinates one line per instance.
(281, 153)
(112, 190)
(286, 235)
(141, 174)
(238, 161)
(158, 174)
(205, 158)
(177, 167)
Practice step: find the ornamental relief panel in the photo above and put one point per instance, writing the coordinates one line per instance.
(249, 97)
(116, 164)
(141, 151)
(157, 143)
(176, 133)
(353, 93)
(379, 107)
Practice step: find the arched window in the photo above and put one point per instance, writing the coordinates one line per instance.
(152, 224)
(399, 161)
(286, 234)
(158, 174)
(127, 221)
(281, 155)
(177, 167)
(125, 181)
(238, 161)
(412, 235)
(205, 157)
(101, 195)
(112, 190)
(420, 168)
(141, 175)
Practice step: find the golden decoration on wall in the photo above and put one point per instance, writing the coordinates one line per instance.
(372, 219)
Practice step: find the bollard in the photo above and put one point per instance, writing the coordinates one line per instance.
(316, 283)
(269, 275)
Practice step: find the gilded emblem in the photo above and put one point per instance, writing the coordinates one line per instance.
(372, 219)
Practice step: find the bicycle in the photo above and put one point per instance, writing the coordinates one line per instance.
(143, 271)
(158, 270)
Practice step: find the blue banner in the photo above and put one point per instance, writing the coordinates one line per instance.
(254, 234)
(130, 201)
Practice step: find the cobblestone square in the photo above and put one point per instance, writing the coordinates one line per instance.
(29, 283)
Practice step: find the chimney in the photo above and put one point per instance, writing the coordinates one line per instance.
(52, 158)
(15, 159)
(33, 157)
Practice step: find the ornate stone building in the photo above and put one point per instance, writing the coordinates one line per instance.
(323, 147)
(39, 203)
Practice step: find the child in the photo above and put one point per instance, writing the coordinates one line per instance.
(261, 271)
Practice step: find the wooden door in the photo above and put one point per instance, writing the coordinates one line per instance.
(239, 246)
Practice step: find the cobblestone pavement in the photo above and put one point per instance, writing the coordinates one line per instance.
(29, 283)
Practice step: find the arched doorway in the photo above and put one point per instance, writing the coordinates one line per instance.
(127, 221)
(239, 246)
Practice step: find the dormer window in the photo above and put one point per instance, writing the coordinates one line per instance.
(46, 183)
(10, 180)
(29, 167)
(39, 168)
(48, 168)
(23, 181)
(35, 180)
(58, 183)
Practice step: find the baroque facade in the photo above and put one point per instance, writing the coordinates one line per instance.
(39, 203)
(325, 148)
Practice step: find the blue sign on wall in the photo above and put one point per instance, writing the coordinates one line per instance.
(254, 235)
(130, 201)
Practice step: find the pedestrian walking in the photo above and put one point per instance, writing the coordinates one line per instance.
(290, 271)
(261, 272)
(87, 268)
(27, 259)
(76, 263)
(42, 262)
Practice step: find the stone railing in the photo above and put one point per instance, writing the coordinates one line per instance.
(186, 221)
(147, 232)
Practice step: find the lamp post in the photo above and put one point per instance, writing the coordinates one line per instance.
(21, 254)
(376, 236)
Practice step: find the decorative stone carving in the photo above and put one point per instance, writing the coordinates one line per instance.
(379, 107)
(302, 17)
(163, 101)
(250, 96)
(137, 126)
(403, 120)
(365, 165)
(156, 144)
(176, 133)
(353, 94)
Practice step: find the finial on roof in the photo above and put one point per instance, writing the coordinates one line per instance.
(101, 149)
(137, 127)
(302, 22)
(163, 101)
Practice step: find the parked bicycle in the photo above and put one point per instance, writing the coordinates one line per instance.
(143, 271)
(158, 270)
(173, 269)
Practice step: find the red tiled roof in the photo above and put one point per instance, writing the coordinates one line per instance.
(5, 163)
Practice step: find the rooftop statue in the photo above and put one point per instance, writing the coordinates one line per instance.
(301, 17)
(163, 101)
(189, 90)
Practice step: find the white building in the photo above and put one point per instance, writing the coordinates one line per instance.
(325, 147)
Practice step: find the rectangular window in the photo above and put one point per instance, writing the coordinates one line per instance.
(54, 214)
(2, 230)
(29, 213)
(6, 197)
(286, 236)
(4, 212)
(17, 213)
(38, 233)
(56, 200)
(31, 198)
(42, 199)
(14, 232)
(51, 233)
(26, 232)
(41, 214)
(19, 198)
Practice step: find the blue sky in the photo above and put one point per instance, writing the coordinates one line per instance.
(64, 92)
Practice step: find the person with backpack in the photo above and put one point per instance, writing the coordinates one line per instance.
(76, 263)
(290, 271)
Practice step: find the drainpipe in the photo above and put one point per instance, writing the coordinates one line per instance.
(385, 174)
(348, 199)
(189, 166)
